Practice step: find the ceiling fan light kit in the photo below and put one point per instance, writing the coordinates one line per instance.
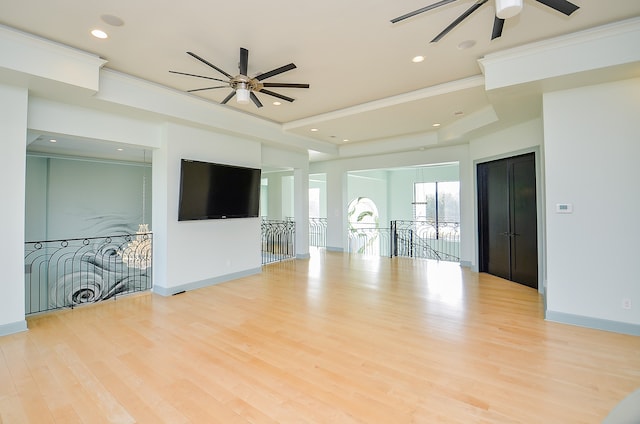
(506, 9)
(243, 94)
(243, 86)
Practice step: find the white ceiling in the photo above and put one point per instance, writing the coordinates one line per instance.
(364, 85)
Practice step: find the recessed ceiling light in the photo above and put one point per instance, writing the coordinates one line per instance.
(314, 129)
(345, 140)
(417, 59)
(277, 103)
(53, 140)
(436, 124)
(120, 149)
(466, 44)
(99, 33)
(112, 20)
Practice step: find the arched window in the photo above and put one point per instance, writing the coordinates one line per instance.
(364, 233)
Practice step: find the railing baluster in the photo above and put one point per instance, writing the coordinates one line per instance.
(72, 272)
(317, 232)
(278, 240)
(419, 239)
(428, 239)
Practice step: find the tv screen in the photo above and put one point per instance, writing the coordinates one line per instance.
(217, 191)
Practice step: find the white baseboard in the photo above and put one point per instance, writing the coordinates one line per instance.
(595, 323)
(169, 291)
(14, 327)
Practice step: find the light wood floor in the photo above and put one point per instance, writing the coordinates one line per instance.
(336, 339)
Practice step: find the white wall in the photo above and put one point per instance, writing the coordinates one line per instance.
(13, 136)
(287, 199)
(520, 137)
(75, 197)
(372, 185)
(199, 253)
(36, 198)
(319, 181)
(274, 195)
(402, 181)
(56, 117)
(592, 147)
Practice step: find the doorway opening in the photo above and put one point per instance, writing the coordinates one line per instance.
(507, 219)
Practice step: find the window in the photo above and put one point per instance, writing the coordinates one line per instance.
(437, 206)
(364, 231)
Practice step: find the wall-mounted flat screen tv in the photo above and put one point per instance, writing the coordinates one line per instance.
(217, 191)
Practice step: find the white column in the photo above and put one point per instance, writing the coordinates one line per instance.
(13, 135)
(336, 209)
(301, 199)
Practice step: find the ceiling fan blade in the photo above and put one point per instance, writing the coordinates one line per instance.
(422, 10)
(280, 96)
(562, 6)
(209, 64)
(460, 18)
(498, 23)
(207, 88)
(244, 61)
(229, 97)
(197, 76)
(255, 99)
(276, 71)
(284, 85)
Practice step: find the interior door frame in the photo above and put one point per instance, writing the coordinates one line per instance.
(540, 202)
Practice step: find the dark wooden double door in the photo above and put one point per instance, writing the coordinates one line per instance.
(507, 213)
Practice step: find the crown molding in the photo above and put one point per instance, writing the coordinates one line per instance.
(35, 56)
(587, 50)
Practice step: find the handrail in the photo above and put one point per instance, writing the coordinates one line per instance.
(318, 232)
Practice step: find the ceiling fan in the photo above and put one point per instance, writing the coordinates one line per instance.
(504, 9)
(244, 86)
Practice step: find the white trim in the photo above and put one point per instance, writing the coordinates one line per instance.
(569, 40)
(12, 328)
(334, 249)
(39, 57)
(595, 323)
(169, 291)
(572, 54)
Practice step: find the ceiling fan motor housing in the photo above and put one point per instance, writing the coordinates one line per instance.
(508, 8)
